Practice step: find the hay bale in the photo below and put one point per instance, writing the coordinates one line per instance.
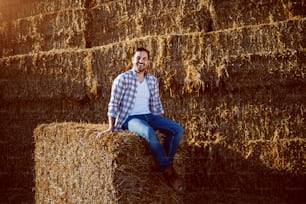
(47, 75)
(72, 166)
(60, 30)
(132, 20)
(15, 9)
(252, 114)
(232, 14)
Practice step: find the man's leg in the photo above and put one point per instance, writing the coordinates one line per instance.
(139, 124)
(173, 132)
(142, 125)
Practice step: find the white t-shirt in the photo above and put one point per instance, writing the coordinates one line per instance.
(141, 105)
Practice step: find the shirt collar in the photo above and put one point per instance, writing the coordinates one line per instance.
(135, 74)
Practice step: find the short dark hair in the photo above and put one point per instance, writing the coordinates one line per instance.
(140, 49)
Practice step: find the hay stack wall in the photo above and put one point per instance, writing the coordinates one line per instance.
(230, 72)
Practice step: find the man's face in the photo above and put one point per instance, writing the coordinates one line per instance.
(140, 61)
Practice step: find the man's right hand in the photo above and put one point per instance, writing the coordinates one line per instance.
(111, 127)
(99, 134)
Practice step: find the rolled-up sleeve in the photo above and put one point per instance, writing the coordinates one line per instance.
(116, 95)
(155, 102)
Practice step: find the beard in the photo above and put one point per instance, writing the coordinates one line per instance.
(140, 67)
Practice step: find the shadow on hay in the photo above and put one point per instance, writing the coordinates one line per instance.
(217, 174)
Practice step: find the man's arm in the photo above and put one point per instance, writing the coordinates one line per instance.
(111, 122)
(116, 95)
(111, 127)
(156, 105)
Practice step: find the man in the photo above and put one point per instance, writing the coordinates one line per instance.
(135, 106)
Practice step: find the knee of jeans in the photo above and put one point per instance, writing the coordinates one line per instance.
(180, 131)
(151, 136)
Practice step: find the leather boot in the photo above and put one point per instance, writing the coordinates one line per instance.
(173, 179)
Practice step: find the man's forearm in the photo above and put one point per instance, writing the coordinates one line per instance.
(111, 122)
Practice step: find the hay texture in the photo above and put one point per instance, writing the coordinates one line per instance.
(16, 9)
(231, 72)
(33, 26)
(73, 166)
(60, 30)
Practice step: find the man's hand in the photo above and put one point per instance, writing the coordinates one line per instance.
(111, 127)
(99, 134)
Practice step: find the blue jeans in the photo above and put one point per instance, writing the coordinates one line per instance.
(145, 126)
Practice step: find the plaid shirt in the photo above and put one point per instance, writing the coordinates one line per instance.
(123, 96)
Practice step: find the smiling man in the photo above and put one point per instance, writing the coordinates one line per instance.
(135, 106)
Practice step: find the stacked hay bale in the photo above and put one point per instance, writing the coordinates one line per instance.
(73, 166)
(36, 86)
(30, 26)
(232, 73)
